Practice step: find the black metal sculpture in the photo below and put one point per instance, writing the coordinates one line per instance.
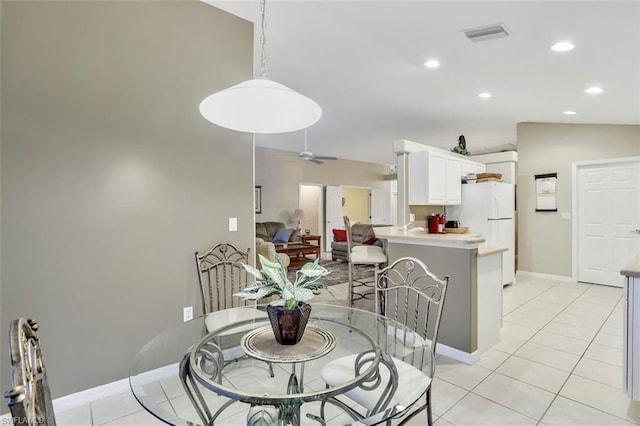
(462, 147)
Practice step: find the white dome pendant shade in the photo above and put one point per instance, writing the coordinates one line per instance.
(260, 105)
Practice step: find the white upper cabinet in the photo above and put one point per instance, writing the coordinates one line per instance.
(434, 178)
(472, 167)
(453, 181)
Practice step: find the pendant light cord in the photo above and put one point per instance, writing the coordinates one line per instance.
(305, 140)
(262, 106)
(263, 42)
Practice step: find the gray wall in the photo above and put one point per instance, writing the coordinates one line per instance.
(110, 177)
(544, 239)
(279, 172)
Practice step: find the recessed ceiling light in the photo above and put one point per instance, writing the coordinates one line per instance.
(484, 95)
(432, 63)
(562, 46)
(569, 113)
(594, 90)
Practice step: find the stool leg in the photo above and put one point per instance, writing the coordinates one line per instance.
(350, 297)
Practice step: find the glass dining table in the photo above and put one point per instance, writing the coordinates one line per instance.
(239, 371)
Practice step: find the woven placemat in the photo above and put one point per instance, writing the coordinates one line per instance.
(261, 344)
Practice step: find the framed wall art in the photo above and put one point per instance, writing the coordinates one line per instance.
(546, 185)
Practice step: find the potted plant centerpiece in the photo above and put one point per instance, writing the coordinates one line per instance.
(288, 314)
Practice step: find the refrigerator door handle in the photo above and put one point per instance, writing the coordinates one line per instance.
(495, 206)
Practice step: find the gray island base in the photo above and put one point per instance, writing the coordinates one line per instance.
(472, 314)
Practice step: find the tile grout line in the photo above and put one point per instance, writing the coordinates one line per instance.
(574, 367)
(510, 355)
(555, 395)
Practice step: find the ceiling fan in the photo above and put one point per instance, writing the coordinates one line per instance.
(307, 155)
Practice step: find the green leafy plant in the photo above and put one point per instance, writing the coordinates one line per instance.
(272, 280)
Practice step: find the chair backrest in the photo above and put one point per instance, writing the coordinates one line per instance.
(407, 292)
(30, 398)
(221, 274)
(347, 227)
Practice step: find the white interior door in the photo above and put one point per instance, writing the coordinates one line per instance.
(608, 217)
(333, 213)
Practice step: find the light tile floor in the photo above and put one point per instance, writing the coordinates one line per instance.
(558, 362)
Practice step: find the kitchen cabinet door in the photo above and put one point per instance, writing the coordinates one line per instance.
(472, 167)
(453, 193)
(434, 179)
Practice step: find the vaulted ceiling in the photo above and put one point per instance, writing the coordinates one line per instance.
(363, 62)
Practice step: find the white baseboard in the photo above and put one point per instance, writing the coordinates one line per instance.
(545, 276)
(84, 397)
(457, 354)
(89, 395)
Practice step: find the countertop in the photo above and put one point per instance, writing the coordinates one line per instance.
(632, 269)
(418, 236)
(487, 251)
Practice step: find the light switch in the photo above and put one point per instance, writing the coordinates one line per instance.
(566, 216)
(233, 224)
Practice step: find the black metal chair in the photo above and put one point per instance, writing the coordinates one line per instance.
(361, 255)
(30, 398)
(210, 359)
(407, 293)
(221, 274)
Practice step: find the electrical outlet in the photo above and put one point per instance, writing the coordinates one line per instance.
(187, 313)
(233, 224)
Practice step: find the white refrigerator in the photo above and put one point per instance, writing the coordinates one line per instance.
(488, 208)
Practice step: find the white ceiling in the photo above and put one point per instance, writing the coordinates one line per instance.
(362, 61)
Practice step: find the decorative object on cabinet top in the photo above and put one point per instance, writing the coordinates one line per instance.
(461, 148)
(489, 177)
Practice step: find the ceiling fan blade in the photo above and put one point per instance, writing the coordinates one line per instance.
(319, 157)
(314, 161)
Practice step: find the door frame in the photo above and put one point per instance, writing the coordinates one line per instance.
(320, 204)
(366, 188)
(575, 166)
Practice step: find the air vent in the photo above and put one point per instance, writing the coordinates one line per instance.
(487, 33)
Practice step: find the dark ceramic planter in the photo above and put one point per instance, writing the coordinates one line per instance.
(289, 324)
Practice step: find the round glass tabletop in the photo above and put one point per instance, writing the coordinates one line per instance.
(155, 373)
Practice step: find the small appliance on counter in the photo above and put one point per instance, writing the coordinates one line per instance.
(453, 227)
(435, 223)
(452, 224)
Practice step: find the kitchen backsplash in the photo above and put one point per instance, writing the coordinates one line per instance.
(422, 212)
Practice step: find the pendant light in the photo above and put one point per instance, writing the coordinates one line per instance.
(260, 105)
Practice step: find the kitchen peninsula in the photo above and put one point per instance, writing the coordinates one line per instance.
(472, 313)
